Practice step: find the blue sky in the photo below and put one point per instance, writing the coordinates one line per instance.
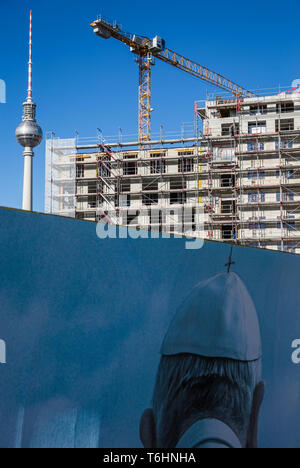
(81, 82)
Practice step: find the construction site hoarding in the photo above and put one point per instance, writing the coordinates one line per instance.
(86, 321)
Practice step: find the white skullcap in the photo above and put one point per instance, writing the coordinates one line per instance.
(218, 319)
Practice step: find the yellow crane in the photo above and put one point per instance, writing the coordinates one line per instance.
(145, 50)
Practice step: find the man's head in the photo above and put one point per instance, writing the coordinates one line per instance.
(210, 366)
(191, 387)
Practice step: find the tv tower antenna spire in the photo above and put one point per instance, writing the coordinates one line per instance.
(29, 91)
(29, 134)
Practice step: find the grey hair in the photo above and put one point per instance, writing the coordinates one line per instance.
(190, 386)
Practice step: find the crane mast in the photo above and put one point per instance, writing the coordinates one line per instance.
(144, 63)
(146, 50)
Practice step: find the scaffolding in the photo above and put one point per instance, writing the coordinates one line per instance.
(60, 177)
(115, 173)
(265, 211)
(238, 164)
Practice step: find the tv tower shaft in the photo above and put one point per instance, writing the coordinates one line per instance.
(29, 134)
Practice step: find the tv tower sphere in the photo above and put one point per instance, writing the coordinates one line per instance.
(28, 134)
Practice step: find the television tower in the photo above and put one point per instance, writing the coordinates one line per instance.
(29, 134)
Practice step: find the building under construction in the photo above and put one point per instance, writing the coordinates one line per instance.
(240, 168)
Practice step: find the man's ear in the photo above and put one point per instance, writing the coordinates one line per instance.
(147, 429)
(258, 396)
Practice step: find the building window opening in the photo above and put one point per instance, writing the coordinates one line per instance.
(79, 170)
(284, 144)
(124, 200)
(185, 165)
(155, 219)
(158, 163)
(256, 128)
(256, 146)
(130, 167)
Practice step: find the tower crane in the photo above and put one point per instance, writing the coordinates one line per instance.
(146, 50)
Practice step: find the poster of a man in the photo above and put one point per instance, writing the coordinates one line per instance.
(208, 388)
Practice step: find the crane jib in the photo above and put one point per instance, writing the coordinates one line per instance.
(145, 49)
(201, 72)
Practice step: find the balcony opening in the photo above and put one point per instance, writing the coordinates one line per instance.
(180, 196)
(231, 129)
(92, 202)
(151, 185)
(229, 112)
(228, 207)
(284, 125)
(228, 231)
(227, 180)
(150, 199)
(258, 109)
(189, 219)
(133, 219)
(285, 107)
(92, 187)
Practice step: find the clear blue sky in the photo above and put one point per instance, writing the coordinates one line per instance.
(82, 82)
